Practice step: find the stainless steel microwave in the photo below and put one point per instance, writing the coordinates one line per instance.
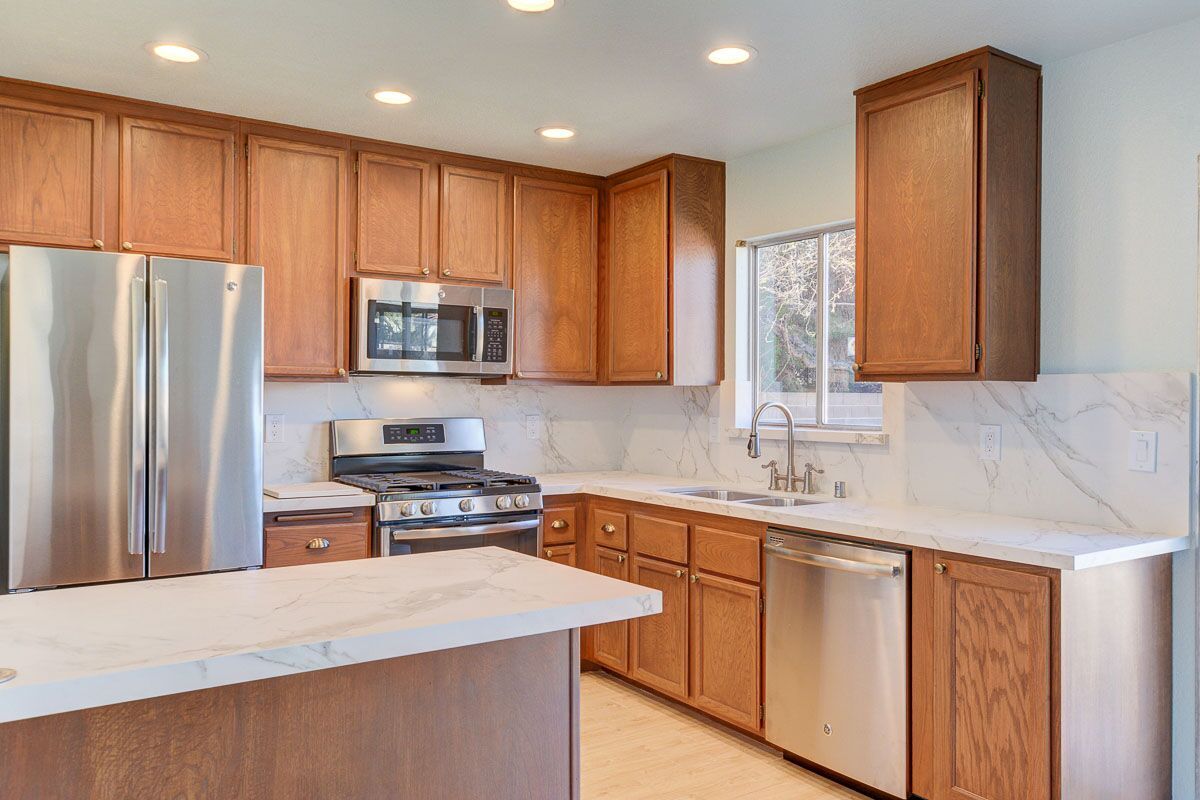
(410, 326)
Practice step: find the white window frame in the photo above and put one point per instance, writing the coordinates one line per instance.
(822, 385)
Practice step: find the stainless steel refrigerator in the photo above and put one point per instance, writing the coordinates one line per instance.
(132, 417)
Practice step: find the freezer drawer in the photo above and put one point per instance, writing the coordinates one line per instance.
(837, 656)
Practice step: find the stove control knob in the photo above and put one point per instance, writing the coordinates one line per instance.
(408, 509)
(466, 504)
(427, 507)
(503, 502)
(521, 501)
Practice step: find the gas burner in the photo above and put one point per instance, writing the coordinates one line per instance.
(435, 481)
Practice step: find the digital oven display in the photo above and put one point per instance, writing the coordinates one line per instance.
(414, 434)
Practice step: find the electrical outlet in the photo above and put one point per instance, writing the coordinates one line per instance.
(714, 430)
(533, 426)
(1143, 451)
(989, 442)
(273, 430)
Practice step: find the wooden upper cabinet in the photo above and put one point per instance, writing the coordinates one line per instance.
(658, 644)
(178, 189)
(991, 683)
(947, 227)
(725, 649)
(297, 232)
(472, 225)
(394, 216)
(638, 270)
(51, 174)
(555, 279)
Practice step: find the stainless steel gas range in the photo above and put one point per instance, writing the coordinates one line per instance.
(432, 490)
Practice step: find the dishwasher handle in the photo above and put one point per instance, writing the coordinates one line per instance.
(832, 562)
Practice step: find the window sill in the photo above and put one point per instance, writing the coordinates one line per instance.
(833, 435)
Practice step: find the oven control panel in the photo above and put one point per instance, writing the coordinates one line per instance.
(414, 434)
(495, 335)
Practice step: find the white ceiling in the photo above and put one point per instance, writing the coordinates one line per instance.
(630, 75)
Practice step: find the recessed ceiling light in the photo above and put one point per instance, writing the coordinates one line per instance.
(730, 54)
(532, 6)
(392, 97)
(179, 53)
(556, 132)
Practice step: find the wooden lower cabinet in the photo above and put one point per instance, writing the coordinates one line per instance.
(726, 648)
(658, 645)
(311, 537)
(560, 554)
(610, 642)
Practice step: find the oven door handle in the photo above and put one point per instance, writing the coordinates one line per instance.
(417, 534)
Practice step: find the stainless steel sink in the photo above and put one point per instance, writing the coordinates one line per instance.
(728, 495)
(784, 502)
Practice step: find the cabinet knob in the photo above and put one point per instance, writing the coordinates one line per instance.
(98, 243)
(857, 367)
(620, 558)
(446, 272)
(126, 245)
(549, 552)
(658, 375)
(559, 524)
(939, 568)
(679, 573)
(317, 544)
(424, 270)
(608, 527)
(695, 578)
(341, 373)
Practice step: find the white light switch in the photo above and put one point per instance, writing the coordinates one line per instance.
(714, 430)
(533, 426)
(273, 430)
(1143, 451)
(989, 442)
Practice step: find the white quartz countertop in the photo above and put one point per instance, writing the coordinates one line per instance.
(96, 645)
(1059, 545)
(355, 499)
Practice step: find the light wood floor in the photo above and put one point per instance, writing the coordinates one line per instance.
(636, 746)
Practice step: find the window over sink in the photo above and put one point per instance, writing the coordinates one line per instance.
(801, 331)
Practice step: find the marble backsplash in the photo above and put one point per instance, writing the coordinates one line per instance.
(1064, 440)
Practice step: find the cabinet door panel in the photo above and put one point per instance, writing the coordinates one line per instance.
(916, 242)
(637, 298)
(554, 275)
(178, 189)
(561, 524)
(472, 224)
(659, 643)
(562, 554)
(297, 232)
(610, 641)
(991, 688)
(52, 187)
(725, 649)
(312, 544)
(393, 215)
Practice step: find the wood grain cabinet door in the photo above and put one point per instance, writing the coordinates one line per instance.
(393, 215)
(297, 232)
(178, 189)
(916, 254)
(725, 649)
(610, 641)
(991, 687)
(555, 280)
(51, 174)
(472, 223)
(562, 554)
(637, 286)
(658, 644)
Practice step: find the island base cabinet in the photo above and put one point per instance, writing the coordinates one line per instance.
(435, 724)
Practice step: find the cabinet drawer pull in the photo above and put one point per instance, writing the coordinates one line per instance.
(126, 245)
(316, 516)
(446, 272)
(608, 527)
(317, 544)
(424, 270)
(939, 568)
(559, 524)
(620, 558)
(679, 573)
(695, 578)
(658, 375)
(549, 552)
(98, 243)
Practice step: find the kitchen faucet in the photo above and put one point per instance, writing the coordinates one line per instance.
(786, 482)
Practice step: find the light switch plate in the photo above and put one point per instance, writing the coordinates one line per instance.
(273, 429)
(1143, 451)
(714, 430)
(533, 426)
(989, 442)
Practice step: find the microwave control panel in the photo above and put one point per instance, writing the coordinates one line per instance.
(495, 335)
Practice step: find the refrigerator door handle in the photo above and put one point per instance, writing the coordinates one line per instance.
(158, 488)
(137, 421)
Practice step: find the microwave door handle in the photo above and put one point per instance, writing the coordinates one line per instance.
(477, 332)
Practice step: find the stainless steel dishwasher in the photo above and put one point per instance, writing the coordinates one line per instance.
(837, 656)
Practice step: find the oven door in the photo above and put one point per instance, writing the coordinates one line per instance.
(522, 534)
(404, 326)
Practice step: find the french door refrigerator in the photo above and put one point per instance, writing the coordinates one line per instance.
(132, 417)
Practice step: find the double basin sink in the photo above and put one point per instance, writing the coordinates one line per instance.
(742, 498)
